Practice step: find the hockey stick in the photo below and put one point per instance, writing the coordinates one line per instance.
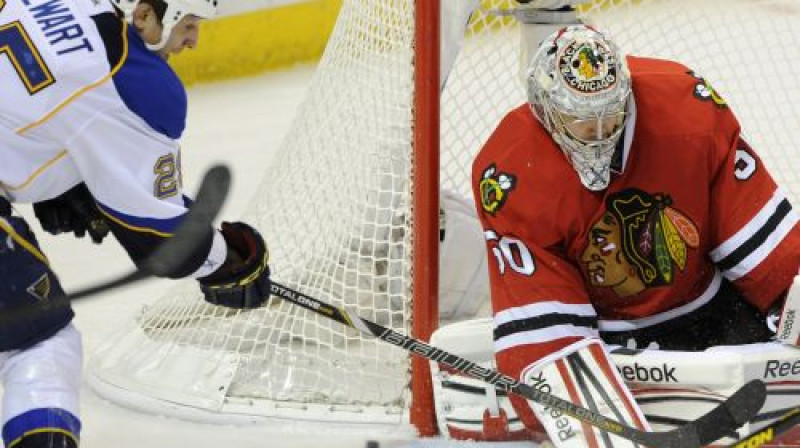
(729, 415)
(175, 250)
(767, 434)
(169, 254)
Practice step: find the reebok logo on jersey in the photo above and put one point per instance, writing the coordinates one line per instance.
(648, 374)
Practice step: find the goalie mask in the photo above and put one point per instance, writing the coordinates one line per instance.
(174, 11)
(578, 88)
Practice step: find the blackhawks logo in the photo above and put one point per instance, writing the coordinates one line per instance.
(494, 189)
(641, 241)
(704, 91)
(588, 67)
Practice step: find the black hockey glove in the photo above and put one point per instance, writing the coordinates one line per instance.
(243, 280)
(73, 211)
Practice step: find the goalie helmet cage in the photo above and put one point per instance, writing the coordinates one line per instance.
(349, 205)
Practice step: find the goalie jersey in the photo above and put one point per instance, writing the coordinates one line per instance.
(691, 229)
(84, 100)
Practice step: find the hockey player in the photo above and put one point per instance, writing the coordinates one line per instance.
(621, 206)
(90, 118)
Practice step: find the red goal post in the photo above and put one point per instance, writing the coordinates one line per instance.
(427, 78)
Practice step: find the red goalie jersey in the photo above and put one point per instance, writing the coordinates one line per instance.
(688, 247)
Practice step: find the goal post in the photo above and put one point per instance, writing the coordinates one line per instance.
(351, 207)
(425, 200)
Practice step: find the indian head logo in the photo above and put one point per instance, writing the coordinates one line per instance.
(641, 241)
(588, 66)
(494, 188)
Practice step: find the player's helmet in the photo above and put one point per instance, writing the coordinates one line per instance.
(578, 88)
(175, 11)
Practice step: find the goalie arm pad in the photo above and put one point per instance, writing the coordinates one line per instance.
(463, 271)
(584, 374)
(787, 314)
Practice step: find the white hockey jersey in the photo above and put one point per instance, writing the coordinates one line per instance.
(83, 100)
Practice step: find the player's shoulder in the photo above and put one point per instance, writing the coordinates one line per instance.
(661, 77)
(517, 128)
(675, 97)
(647, 66)
(149, 87)
(520, 165)
(520, 143)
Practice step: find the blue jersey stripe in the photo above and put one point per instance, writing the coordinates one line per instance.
(38, 420)
(160, 227)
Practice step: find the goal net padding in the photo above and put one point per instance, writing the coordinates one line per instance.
(341, 205)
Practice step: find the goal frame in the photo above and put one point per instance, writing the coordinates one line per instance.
(425, 200)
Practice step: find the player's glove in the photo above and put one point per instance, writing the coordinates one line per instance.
(73, 211)
(243, 280)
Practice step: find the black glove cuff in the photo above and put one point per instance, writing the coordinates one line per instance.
(238, 295)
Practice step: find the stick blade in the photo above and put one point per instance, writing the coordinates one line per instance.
(739, 409)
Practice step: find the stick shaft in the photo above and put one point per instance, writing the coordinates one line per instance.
(751, 394)
(768, 433)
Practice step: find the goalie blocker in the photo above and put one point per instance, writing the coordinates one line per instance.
(670, 387)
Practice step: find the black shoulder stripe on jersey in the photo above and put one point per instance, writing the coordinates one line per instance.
(111, 29)
(757, 239)
(543, 321)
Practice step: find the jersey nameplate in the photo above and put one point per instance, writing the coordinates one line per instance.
(58, 25)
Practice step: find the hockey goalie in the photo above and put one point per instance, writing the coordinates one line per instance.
(642, 260)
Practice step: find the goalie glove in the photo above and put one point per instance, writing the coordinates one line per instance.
(243, 280)
(73, 211)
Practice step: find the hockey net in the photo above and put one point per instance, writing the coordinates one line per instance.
(337, 207)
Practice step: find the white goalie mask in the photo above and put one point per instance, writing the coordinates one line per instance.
(175, 11)
(578, 88)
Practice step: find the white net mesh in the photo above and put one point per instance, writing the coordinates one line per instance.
(335, 206)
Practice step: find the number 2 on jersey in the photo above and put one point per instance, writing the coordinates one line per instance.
(28, 63)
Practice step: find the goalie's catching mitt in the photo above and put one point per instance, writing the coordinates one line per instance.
(243, 280)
